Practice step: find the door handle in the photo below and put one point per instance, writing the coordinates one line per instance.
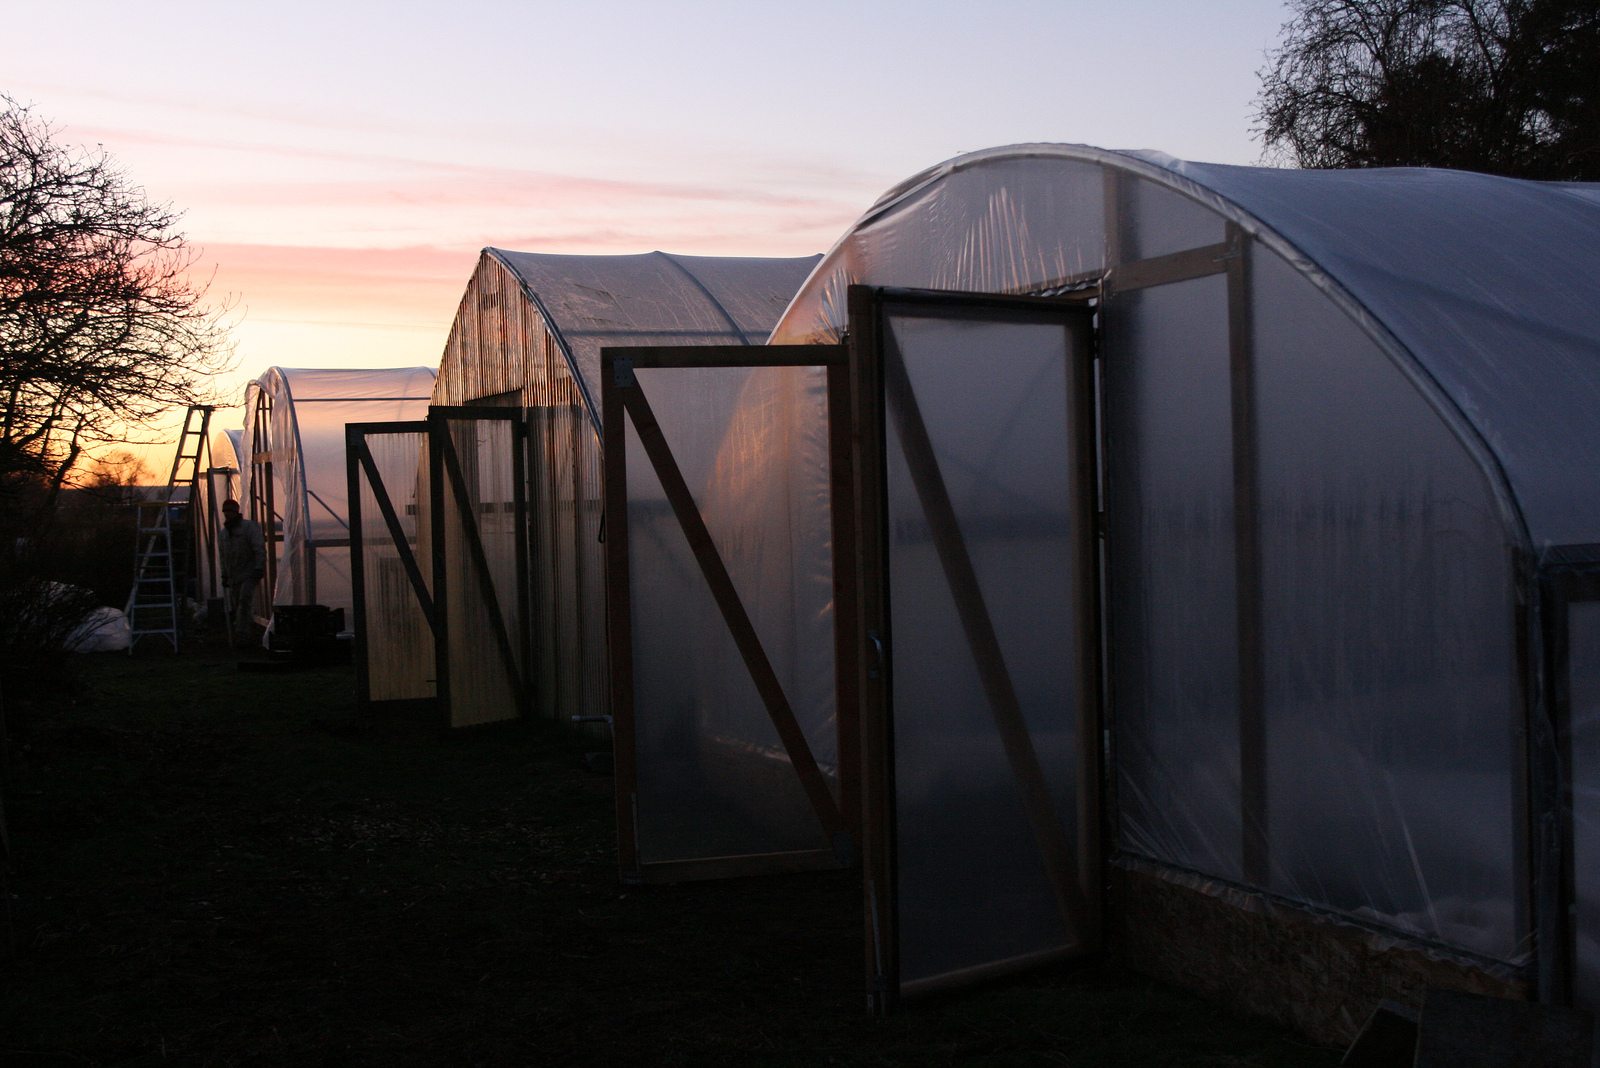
(875, 666)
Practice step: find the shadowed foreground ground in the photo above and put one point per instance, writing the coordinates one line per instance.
(215, 867)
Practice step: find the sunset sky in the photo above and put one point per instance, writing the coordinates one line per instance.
(341, 163)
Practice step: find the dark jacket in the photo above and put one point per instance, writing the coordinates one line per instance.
(244, 553)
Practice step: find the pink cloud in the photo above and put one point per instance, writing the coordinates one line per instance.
(411, 287)
(416, 180)
(405, 286)
(276, 112)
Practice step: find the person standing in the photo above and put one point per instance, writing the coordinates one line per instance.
(244, 561)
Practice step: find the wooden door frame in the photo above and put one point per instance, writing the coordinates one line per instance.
(444, 466)
(624, 401)
(872, 382)
(1566, 575)
(361, 466)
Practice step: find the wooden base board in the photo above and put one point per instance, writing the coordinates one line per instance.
(1265, 958)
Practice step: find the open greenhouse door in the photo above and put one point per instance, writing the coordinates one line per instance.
(978, 593)
(731, 643)
(477, 479)
(439, 563)
(393, 604)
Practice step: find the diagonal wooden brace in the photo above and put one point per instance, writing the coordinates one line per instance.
(397, 533)
(470, 534)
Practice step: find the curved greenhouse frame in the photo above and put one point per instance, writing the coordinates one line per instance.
(217, 483)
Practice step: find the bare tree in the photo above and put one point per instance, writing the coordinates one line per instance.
(1503, 86)
(103, 323)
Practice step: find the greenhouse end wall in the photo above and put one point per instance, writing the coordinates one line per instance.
(1383, 781)
(501, 352)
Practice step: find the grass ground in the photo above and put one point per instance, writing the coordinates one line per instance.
(217, 867)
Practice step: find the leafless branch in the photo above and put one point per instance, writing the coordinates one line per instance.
(105, 320)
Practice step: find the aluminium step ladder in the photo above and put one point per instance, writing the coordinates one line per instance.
(154, 601)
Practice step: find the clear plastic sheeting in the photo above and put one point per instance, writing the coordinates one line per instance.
(714, 779)
(657, 298)
(484, 600)
(1583, 651)
(399, 642)
(767, 501)
(529, 332)
(296, 483)
(1508, 349)
(1175, 653)
(1389, 635)
(1026, 225)
(1487, 282)
(568, 589)
(1158, 222)
(974, 886)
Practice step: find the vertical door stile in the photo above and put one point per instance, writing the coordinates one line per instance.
(877, 775)
(520, 531)
(355, 445)
(619, 616)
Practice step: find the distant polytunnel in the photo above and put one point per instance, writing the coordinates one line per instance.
(294, 480)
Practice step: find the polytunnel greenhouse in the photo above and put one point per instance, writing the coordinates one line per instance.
(294, 483)
(1226, 589)
(493, 573)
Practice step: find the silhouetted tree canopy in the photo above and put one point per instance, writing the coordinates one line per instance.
(1502, 86)
(103, 325)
